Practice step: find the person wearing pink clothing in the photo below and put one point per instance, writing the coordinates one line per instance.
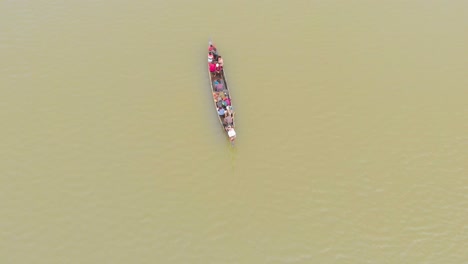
(212, 67)
(227, 100)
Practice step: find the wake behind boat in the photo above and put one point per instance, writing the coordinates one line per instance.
(220, 90)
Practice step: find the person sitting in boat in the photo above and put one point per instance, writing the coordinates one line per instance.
(228, 121)
(212, 48)
(230, 112)
(220, 62)
(231, 133)
(221, 111)
(212, 67)
(227, 101)
(219, 86)
(210, 57)
(218, 68)
(219, 103)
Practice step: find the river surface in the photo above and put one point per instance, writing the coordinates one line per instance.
(352, 123)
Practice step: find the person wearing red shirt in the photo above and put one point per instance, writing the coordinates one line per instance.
(212, 48)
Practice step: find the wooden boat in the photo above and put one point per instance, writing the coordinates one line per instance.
(221, 93)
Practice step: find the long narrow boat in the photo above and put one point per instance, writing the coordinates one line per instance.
(220, 90)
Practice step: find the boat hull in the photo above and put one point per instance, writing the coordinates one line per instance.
(220, 76)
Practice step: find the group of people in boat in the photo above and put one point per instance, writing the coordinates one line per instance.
(215, 61)
(220, 93)
(223, 105)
